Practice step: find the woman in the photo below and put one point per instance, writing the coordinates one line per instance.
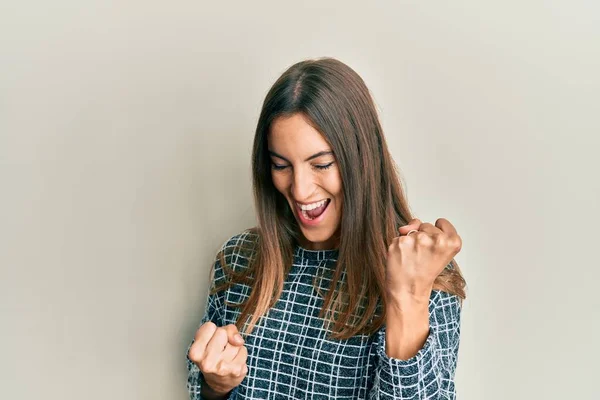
(339, 292)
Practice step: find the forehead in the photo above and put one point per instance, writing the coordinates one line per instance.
(294, 135)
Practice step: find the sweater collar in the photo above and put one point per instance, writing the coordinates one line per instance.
(316, 255)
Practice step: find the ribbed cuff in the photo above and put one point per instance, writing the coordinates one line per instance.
(415, 378)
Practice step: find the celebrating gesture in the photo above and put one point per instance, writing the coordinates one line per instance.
(418, 256)
(221, 356)
(326, 189)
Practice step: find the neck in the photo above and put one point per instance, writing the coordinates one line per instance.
(330, 244)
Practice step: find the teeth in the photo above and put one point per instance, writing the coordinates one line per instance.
(306, 215)
(312, 206)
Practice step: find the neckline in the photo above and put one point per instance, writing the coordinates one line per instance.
(318, 255)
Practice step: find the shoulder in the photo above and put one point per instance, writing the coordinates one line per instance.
(235, 254)
(444, 309)
(440, 298)
(241, 245)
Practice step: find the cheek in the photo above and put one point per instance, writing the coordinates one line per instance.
(334, 185)
(337, 191)
(279, 182)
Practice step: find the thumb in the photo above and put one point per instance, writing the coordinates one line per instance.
(414, 223)
(234, 335)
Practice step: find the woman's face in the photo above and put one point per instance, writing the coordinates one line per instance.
(306, 173)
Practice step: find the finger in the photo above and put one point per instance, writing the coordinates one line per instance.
(216, 345)
(413, 224)
(230, 352)
(430, 229)
(240, 361)
(234, 335)
(201, 339)
(445, 226)
(454, 240)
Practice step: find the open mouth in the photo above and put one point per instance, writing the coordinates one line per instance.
(314, 215)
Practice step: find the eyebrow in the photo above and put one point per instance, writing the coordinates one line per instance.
(319, 154)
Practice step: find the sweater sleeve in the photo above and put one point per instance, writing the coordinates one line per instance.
(236, 256)
(430, 373)
(213, 312)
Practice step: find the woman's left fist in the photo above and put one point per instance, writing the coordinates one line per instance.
(416, 260)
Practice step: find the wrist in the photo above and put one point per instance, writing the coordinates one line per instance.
(407, 326)
(408, 299)
(407, 315)
(211, 394)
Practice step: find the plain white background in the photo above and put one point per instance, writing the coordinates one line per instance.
(125, 138)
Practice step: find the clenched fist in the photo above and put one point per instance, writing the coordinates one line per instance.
(414, 261)
(220, 354)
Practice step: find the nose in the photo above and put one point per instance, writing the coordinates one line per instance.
(303, 185)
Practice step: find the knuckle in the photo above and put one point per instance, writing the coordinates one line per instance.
(231, 330)
(231, 327)
(395, 245)
(441, 241)
(220, 333)
(194, 353)
(457, 244)
(236, 372)
(424, 239)
(244, 352)
(206, 366)
(223, 369)
(206, 328)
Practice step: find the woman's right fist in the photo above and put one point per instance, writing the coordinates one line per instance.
(220, 354)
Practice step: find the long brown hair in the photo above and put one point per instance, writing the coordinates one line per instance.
(334, 99)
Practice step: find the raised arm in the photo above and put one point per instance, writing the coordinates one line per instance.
(429, 374)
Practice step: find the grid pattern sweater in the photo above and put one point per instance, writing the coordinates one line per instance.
(291, 357)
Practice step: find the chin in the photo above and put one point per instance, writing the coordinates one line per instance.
(316, 238)
(319, 238)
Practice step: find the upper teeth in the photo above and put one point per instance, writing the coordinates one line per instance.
(312, 206)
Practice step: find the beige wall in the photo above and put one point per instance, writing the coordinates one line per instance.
(125, 137)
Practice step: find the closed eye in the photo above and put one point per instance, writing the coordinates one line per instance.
(324, 166)
(278, 167)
